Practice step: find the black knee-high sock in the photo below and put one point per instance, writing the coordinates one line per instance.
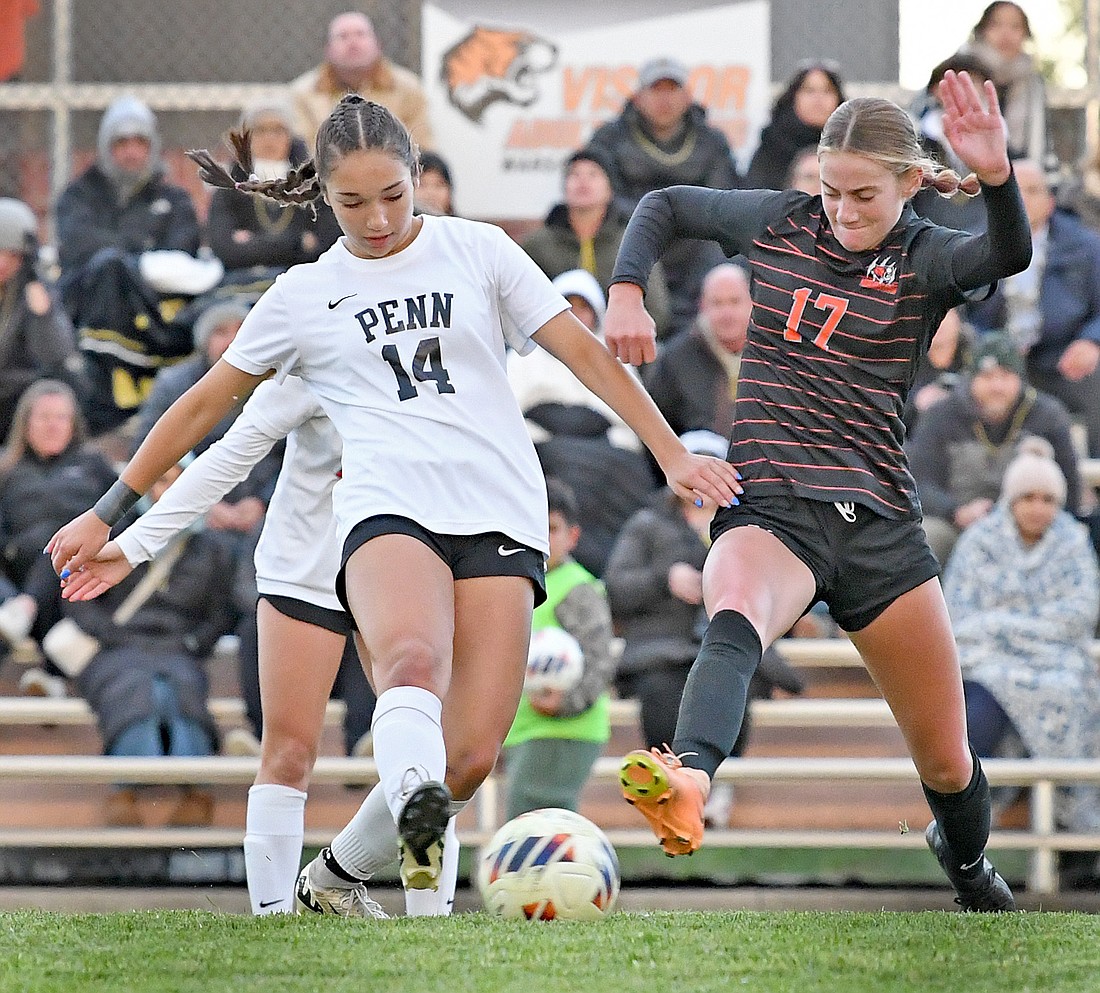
(717, 690)
(964, 818)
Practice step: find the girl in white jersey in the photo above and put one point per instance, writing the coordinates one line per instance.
(399, 330)
(302, 626)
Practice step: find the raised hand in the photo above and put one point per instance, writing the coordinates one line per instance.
(975, 130)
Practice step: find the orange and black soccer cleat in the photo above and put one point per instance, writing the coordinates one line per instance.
(671, 800)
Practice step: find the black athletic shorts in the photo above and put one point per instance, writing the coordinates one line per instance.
(468, 556)
(861, 562)
(336, 621)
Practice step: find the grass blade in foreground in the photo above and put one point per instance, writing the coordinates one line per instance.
(189, 952)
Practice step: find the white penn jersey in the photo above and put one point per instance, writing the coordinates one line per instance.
(298, 553)
(406, 355)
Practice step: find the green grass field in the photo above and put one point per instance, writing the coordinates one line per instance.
(189, 952)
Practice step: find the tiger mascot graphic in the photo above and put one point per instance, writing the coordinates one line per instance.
(490, 65)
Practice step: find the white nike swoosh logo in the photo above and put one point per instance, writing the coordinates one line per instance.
(508, 551)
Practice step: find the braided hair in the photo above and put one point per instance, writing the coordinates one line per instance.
(354, 125)
(880, 130)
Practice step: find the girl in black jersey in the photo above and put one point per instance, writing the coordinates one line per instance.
(848, 289)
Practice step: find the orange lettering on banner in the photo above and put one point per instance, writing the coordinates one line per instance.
(573, 89)
(720, 88)
(544, 132)
(604, 90)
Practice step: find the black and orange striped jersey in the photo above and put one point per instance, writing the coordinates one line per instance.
(835, 336)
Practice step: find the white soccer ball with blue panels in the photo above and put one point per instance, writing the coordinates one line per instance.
(555, 661)
(549, 864)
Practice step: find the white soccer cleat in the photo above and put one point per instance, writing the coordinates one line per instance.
(350, 902)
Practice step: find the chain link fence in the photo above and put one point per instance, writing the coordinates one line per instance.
(197, 62)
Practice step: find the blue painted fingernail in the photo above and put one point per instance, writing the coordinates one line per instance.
(698, 501)
(65, 574)
(734, 503)
(739, 476)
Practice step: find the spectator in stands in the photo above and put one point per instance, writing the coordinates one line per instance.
(654, 580)
(36, 336)
(539, 378)
(435, 188)
(579, 439)
(246, 233)
(960, 211)
(46, 471)
(804, 173)
(694, 380)
(661, 139)
(963, 444)
(138, 656)
(126, 245)
(558, 734)
(798, 115)
(1051, 310)
(354, 63)
(584, 231)
(1023, 589)
(1001, 39)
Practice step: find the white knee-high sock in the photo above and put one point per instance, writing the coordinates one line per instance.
(274, 827)
(408, 742)
(440, 902)
(367, 844)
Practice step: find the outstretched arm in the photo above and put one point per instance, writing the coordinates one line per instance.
(181, 427)
(695, 477)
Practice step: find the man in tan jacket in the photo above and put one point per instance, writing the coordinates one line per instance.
(354, 63)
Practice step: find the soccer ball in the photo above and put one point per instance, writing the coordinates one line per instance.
(549, 864)
(554, 662)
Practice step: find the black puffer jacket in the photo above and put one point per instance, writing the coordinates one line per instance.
(39, 495)
(90, 217)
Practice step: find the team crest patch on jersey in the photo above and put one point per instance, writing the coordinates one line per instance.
(491, 65)
(882, 274)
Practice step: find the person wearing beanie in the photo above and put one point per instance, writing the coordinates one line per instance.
(961, 446)
(122, 200)
(126, 242)
(36, 336)
(583, 231)
(1023, 589)
(252, 235)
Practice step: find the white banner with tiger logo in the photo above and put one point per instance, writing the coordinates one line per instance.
(511, 96)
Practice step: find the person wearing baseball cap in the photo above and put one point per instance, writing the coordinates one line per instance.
(662, 138)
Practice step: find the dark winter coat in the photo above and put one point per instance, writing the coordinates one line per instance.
(277, 231)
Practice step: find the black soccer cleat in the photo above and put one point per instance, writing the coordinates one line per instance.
(420, 829)
(985, 893)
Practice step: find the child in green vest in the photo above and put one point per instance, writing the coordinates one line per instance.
(558, 734)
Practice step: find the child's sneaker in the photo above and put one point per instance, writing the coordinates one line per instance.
(671, 799)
